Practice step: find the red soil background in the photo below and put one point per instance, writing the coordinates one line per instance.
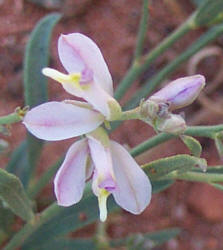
(196, 208)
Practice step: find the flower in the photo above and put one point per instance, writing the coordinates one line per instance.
(112, 170)
(88, 75)
(53, 121)
(110, 166)
(180, 93)
(157, 109)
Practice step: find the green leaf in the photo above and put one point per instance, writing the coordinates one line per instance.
(155, 81)
(6, 218)
(198, 2)
(218, 143)
(35, 84)
(36, 58)
(160, 168)
(13, 194)
(48, 4)
(44, 179)
(67, 244)
(209, 12)
(69, 219)
(18, 163)
(218, 186)
(158, 186)
(147, 241)
(193, 145)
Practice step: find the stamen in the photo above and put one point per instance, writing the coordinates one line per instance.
(60, 77)
(74, 79)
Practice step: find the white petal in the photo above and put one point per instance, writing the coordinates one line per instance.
(101, 157)
(133, 192)
(78, 53)
(58, 120)
(70, 178)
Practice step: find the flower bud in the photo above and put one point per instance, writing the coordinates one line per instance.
(174, 124)
(181, 92)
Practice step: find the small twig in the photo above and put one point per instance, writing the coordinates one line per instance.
(142, 30)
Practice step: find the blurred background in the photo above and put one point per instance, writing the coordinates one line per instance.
(113, 25)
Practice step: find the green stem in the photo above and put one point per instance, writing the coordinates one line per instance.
(142, 29)
(44, 179)
(142, 65)
(30, 227)
(11, 118)
(200, 131)
(194, 176)
(101, 236)
(158, 78)
(131, 114)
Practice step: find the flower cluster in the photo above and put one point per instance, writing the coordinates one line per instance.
(108, 164)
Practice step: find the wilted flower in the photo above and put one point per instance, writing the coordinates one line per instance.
(180, 93)
(112, 169)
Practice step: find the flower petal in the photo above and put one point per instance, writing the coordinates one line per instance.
(70, 178)
(78, 53)
(181, 92)
(133, 192)
(58, 121)
(102, 101)
(103, 177)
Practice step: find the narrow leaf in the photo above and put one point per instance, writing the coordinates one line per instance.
(209, 12)
(193, 145)
(147, 241)
(35, 84)
(69, 219)
(218, 143)
(13, 194)
(158, 186)
(198, 2)
(218, 186)
(19, 162)
(68, 244)
(44, 179)
(6, 218)
(160, 168)
(155, 81)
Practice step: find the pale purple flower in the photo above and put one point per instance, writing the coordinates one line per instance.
(88, 75)
(181, 92)
(113, 171)
(53, 121)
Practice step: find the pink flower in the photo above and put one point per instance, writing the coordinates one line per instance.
(110, 166)
(88, 75)
(181, 92)
(113, 171)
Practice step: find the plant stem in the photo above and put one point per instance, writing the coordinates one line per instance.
(44, 179)
(11, 118)
(30, 227)
(101, 236)
(194, 176)
(131, 114)
(141, 65)
(200, 131)
(158, 78)
(142, 30)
